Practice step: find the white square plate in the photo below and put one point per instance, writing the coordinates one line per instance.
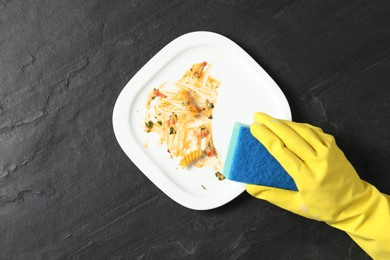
(245, 89)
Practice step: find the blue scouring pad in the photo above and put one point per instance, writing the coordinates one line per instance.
(248, 161)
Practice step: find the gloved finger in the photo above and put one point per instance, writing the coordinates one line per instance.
(308, 133)
(327, 139)
(290, 138)
(313, 135)
(285, 199)
(314, 128)
(289, 161)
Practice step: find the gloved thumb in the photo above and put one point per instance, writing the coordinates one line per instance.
(286, 199)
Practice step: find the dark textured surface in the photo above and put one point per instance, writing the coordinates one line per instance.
(68, 191)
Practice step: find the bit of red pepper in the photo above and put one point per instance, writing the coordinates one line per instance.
(202, 132)
(208, 151)
(203, 65)
(172, 119)
(157, 93)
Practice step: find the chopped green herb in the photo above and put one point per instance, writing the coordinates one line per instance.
(149, 124)
(211, 117)
(203, 187)
(159, 122)
(172, 131)
(209, 104)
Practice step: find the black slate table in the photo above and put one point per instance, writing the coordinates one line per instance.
(68, 191)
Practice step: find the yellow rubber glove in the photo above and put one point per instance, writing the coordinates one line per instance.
(330, 190)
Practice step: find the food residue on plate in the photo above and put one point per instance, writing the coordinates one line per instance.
(181, 112)
(220, 176)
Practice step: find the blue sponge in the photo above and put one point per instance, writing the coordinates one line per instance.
(248, 161)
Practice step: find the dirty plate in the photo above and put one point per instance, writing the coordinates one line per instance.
(245, 88)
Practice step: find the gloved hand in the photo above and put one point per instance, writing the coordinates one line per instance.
(330, 190)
